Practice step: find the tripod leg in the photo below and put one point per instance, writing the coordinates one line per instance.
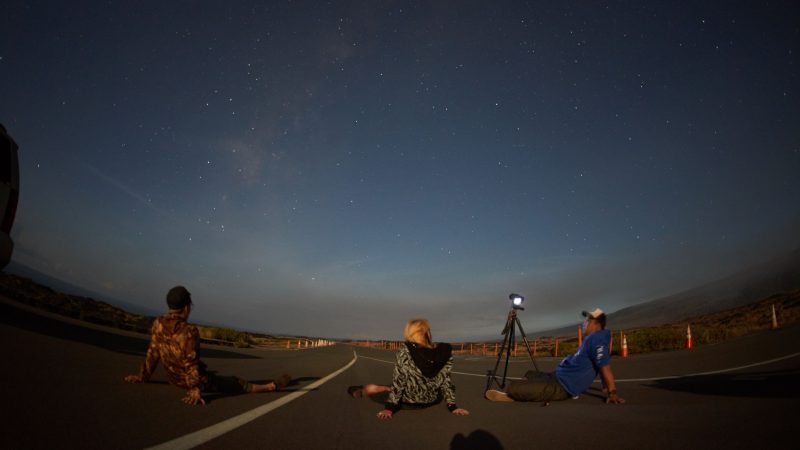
(492, 375)
(527, 345)
(511, 341)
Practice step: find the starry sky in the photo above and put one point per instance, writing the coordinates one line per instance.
(337, 168)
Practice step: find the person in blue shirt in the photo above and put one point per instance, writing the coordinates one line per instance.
(574, 374)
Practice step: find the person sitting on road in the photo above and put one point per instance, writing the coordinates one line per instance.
(574, 374)
(421, 375)
(175, 343)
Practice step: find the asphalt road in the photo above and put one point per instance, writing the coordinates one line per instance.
(62, 388)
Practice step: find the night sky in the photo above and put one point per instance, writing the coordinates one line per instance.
(337, 168)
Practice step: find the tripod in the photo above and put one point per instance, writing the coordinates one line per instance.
(508, 342)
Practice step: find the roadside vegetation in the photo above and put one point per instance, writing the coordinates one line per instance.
(225, 336)
(718, 327)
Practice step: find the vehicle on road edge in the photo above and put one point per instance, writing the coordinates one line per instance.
(9, 193)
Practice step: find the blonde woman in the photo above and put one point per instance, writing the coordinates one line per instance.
(421, 375)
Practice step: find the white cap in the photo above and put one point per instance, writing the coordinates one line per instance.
(594, 314)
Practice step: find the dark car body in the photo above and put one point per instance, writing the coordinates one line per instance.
(9, 193)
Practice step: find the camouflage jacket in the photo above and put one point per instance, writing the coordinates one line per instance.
(175, 343)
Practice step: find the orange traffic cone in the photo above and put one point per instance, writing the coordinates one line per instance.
(688, 337)
(624, 346)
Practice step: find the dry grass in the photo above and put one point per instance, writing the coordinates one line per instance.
(717, 327)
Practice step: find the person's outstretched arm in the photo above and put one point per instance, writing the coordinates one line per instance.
(450, 390)
(608, 380)
(150, 360)
(191, 367)
(399, 378)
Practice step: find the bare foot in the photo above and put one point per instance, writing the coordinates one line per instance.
(269, 387)
(372, 389)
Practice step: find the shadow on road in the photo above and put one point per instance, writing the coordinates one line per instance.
(35, 323)
(776, 384)
(477, 440)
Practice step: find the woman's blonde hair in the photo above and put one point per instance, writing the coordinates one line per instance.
(418, 331)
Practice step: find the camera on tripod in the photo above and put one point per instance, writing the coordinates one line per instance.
(509, 342)
(516, 301)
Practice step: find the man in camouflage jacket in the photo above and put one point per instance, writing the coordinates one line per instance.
(175, 343)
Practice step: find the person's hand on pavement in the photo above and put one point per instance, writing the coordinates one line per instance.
(193, 397)
(133, 378)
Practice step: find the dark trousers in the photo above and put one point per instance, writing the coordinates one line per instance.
(226, 385)
(537, 387)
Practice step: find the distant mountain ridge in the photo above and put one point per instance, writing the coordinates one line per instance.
(28, 292)
(68, 288)
(781, 274)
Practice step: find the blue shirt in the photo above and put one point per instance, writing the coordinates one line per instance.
(577, 372)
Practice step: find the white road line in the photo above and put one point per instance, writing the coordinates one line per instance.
(712, 372)
(634, 380)
(196, 438)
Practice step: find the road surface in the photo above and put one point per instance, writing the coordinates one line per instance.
(62, 388)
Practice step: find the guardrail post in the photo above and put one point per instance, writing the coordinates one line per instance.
(774, 318)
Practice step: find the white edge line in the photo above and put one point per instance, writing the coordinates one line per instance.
(198, 437)
(634, 380)
(712, 372)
